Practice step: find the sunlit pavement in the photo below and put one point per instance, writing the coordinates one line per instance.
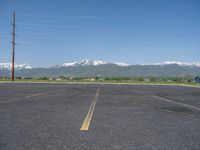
(97, 117)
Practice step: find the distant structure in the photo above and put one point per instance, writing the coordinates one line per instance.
(197, 79)
(13, 48)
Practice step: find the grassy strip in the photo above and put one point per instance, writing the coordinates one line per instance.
(100, 82)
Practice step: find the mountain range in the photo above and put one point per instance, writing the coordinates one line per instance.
(89, 67)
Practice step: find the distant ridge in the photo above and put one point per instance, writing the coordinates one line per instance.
(86, 62)
(197, 64)
(91, 62)
(8, 66)
(89, 67)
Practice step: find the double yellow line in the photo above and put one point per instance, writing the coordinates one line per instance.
(86, 124)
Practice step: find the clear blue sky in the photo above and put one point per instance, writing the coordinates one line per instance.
(52, 32)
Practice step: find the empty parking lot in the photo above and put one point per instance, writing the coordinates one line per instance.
(98, 116)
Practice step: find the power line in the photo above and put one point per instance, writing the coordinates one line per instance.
(74, 27)
(46, 16)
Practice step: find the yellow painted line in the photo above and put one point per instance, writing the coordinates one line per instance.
(86, 124)
(178, 103)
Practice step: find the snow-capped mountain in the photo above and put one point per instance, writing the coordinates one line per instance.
(184, 64)
(105, 69)
(197, 64)
(8, 66)
(90, 62)
(87, 62)
(121, 64)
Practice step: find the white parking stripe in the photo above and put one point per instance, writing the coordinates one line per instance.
(26, 97)
(178, 103)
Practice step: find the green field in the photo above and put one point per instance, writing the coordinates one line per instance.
(182, 81)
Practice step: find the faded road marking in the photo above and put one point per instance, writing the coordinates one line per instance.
(178, 103)
(26, 97)
(89, 115)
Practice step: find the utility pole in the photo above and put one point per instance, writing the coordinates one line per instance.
(13, 48)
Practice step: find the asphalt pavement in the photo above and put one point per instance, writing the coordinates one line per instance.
(41, 116)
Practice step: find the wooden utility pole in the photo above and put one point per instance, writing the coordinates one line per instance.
(13, 48)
